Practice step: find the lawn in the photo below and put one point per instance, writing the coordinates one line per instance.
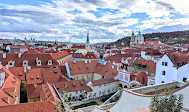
(84, 105)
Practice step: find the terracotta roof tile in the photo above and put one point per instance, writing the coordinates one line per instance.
(59, 55)
(103, 81)
(44, 106)
(18, 72)
(10, 88)
(34, 76)
(73, 85)
(52, 75)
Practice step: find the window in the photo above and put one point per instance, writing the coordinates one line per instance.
(80, 91)
(90, 95)
(100, 93)
(76, 92)
(108, 90)
(166, 64)
(126, 78)
(49, 62)
(100, 86)
(163, 72)
(94, 94)
(162, 81)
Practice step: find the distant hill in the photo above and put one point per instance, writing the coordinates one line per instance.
(181, 37)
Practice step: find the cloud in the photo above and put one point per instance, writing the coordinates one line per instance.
(69, 20)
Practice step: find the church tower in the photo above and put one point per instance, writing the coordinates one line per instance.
(87, 45)
(139, 38)
(132, 41)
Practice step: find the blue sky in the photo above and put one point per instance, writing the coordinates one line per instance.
(107, 20)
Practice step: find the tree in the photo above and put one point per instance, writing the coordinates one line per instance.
(59, 107)
(167, 103)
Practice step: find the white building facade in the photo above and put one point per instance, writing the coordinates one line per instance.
(166, 71)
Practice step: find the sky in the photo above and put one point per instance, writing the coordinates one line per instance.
(106, 20)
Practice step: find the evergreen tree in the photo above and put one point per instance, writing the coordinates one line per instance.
(167, 103)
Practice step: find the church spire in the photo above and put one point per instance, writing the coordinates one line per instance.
(87, 37)
(133, 33)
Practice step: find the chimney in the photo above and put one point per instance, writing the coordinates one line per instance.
(85, 61)
(0, 65)
(112, 66)
(19, 55)
(25, 69)
(29, 67)
(7, 67)
(4, 55)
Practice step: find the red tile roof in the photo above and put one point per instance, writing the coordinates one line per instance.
(152, 52)
(18, 46)
(103, 81)
(18, 72)
(52, 75)
(90, 56)
(80, 67)
(33, 91)
(34, 76)
(78, 47)
(106, 70)
(77, 55)
(31, 51)
(59, 55)
(148, 64)
(142, 77)
(73, 85)
(48, 93)
(10, 88)
(178, 59)
(113, 58)
(28, 57)
(44, 106)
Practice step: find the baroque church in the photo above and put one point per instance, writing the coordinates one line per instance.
(136, 39)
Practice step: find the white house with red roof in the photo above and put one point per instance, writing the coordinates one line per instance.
(172, 67)
(102, 87)
(151, 54)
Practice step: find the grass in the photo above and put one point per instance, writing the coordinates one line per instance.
(84, 105)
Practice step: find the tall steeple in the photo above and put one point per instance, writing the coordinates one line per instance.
(87, 45)
(87, 38)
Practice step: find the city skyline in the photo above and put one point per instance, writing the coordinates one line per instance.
(107, 21)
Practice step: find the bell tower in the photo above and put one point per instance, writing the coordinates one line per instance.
(132, 41)
(87, 45)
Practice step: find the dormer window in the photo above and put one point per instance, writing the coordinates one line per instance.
(11, 63)
(49, 62)
(25, 63)
(38, 62)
